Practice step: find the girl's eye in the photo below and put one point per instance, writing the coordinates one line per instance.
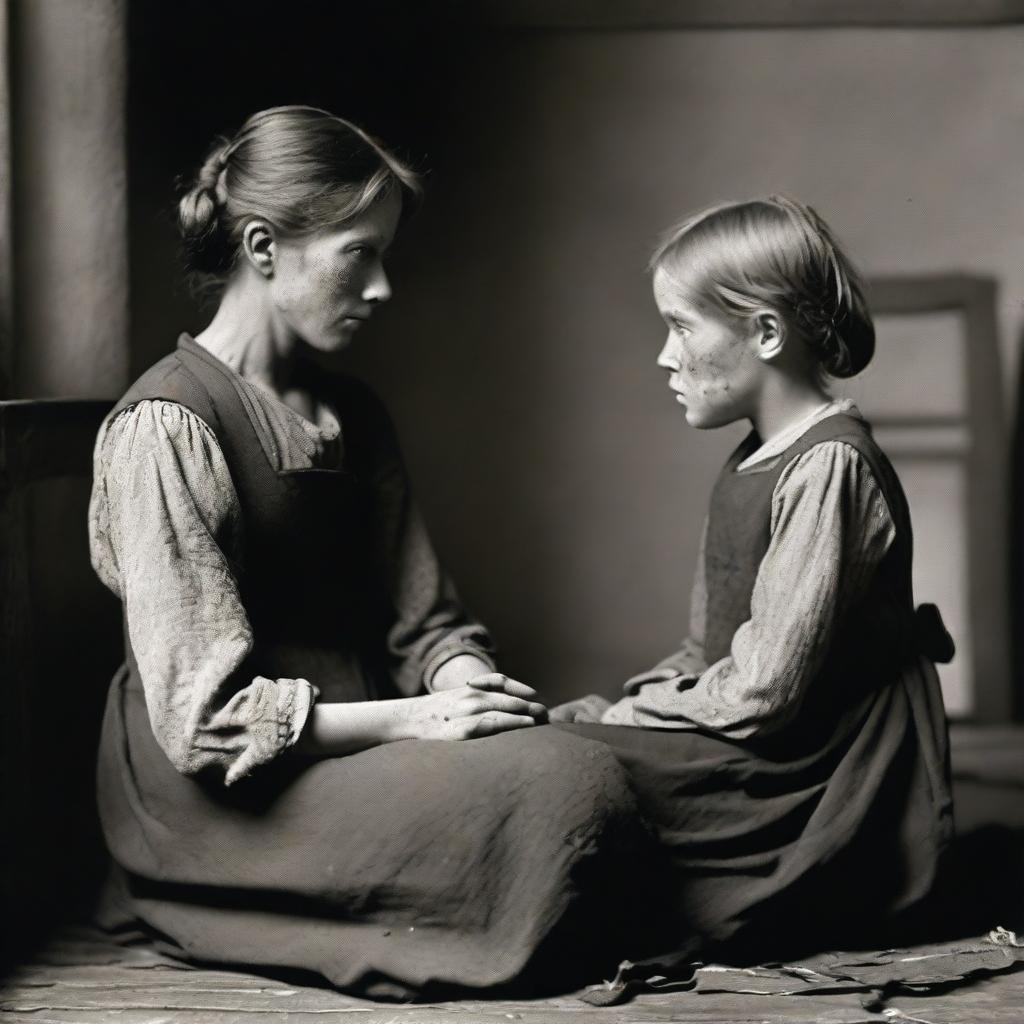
(679, 328)
(360, 252)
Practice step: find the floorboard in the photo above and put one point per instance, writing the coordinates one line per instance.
(86, 979)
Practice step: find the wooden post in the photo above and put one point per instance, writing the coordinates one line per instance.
(6, 289)
(68, 65)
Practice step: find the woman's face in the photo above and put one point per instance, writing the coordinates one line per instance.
(711, 357)
(324, 286)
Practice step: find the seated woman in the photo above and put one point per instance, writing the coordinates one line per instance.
(280, 782)
(793, 752)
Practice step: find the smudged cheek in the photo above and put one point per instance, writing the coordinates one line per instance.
(317, 291)
(340, 280)
(709, 377)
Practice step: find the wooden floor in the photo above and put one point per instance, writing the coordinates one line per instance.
(83, 978)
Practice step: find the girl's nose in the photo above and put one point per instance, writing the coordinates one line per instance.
(377, 287)
(669, 357)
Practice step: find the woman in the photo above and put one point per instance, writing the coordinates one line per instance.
(287, 623)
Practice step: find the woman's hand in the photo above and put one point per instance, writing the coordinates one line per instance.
(485, 706)
(583, 709)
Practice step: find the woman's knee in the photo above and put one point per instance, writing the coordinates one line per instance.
(582, 773)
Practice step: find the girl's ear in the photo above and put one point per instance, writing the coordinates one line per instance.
(259, 246)
(770, 335)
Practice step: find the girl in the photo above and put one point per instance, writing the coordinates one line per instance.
(287, 622)
(792, 753)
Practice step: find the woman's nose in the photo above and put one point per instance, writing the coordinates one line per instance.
(668, 357)
(377, 287)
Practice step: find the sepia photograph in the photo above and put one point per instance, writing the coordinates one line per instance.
(512, 510)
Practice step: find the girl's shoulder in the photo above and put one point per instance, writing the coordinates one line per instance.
(752, 458)
(853, 433)
(838, 445)
(844, 445)
(846, 427)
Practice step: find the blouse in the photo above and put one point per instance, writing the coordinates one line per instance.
(830, 529)
(162, 492)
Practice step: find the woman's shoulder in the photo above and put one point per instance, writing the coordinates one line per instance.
(153, 429)
(171, 380)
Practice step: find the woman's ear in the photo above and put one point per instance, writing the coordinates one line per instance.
(770, 335)
(258, 243)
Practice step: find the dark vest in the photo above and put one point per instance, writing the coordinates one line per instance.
(875, 637)
(304, 569)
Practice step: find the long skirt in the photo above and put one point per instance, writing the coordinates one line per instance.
(507, 864)
(832, 841)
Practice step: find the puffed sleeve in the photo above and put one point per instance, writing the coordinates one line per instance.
(164, 525)
(830, 530)
(430, 625)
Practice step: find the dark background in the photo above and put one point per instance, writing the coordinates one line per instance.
(563, 489)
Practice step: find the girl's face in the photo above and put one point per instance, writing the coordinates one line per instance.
(711, 356)
(326, 285)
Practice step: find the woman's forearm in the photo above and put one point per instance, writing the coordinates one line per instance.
(489, 705)
(336, 729)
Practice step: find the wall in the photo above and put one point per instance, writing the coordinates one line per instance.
(70, 275)
(562, 486)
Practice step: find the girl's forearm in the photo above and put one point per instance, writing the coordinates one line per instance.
(336, 729)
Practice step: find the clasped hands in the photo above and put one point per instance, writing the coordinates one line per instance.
(469, 700)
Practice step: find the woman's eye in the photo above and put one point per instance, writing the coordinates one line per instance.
(360, 252)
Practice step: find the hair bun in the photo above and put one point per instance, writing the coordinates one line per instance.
(843, 343)
(850, 347)
(199, 212)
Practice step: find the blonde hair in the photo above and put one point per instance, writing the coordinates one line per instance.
(779, 254)
(298, 167)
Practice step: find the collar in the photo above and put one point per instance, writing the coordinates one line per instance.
(780, 442)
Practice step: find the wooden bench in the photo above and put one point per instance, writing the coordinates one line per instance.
(60, 642)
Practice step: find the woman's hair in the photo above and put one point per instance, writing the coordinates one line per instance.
(778, 254)
(300, 168)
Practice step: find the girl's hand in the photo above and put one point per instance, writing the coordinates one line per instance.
(487, 705)
(584, 709)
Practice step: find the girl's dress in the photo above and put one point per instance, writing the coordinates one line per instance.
(793, 753)
(266, 562)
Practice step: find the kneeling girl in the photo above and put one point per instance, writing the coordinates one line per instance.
(792, 753)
